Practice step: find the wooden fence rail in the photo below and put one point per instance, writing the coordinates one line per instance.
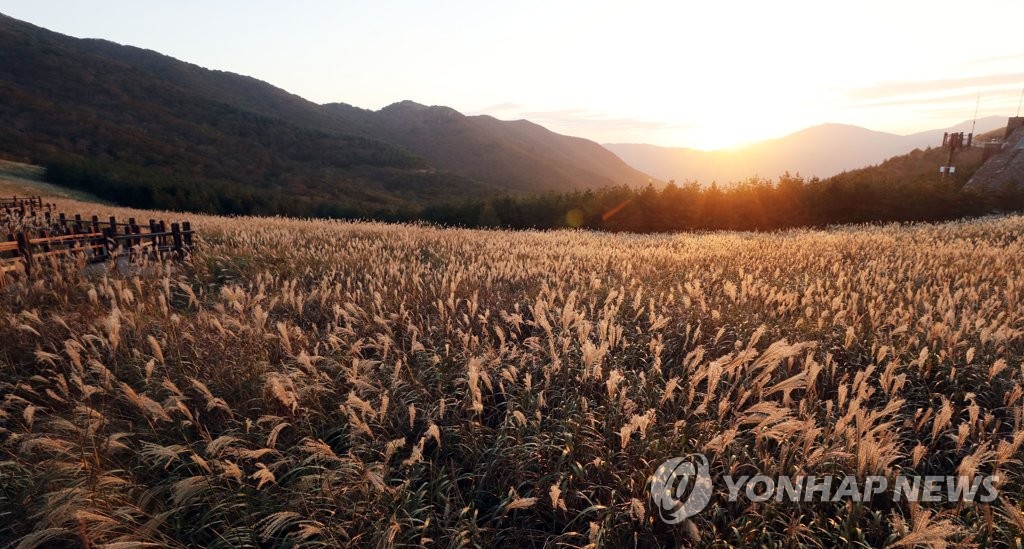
(21, 201)
(98, 241)
(19, 209)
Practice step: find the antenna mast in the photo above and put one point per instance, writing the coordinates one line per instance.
(976, 105)
(1021, 101)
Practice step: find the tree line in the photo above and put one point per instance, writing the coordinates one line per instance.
(754, 205)
(900, 190)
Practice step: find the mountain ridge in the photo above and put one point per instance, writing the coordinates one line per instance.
(822, 150)
(174, 130)
(484, 148)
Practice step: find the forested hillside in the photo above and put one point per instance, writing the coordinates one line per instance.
(148, 130)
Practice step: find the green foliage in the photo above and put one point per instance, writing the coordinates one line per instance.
(128, 184)
(378, 193)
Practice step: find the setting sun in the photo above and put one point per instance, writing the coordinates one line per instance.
(704, 75)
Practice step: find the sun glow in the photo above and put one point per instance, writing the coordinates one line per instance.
(702, 75)
(734, 135)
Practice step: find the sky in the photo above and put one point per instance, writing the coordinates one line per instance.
(706, 75)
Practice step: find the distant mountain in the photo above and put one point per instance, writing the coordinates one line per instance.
(162, 132)
(518, 155)
(821, 151)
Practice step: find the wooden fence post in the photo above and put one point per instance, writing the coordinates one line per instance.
(25, 251)
(110, 234)
(132, 228)
(176, 236)
(163, 239)
(46, 245)
(153, 229)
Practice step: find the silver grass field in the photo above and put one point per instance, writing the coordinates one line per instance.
(319, 384)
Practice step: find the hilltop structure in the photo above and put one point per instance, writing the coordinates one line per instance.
(1005, 166)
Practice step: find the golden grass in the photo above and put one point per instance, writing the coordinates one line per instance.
(327, 383)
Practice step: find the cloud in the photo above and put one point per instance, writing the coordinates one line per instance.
(989, 99)
(887, 91)
(1014, 59)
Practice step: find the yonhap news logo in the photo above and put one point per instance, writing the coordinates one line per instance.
(682, 487)
(669, 488)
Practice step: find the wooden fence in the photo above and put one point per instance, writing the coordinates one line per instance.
(96, 240)
(25, 211)
(21, 202)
